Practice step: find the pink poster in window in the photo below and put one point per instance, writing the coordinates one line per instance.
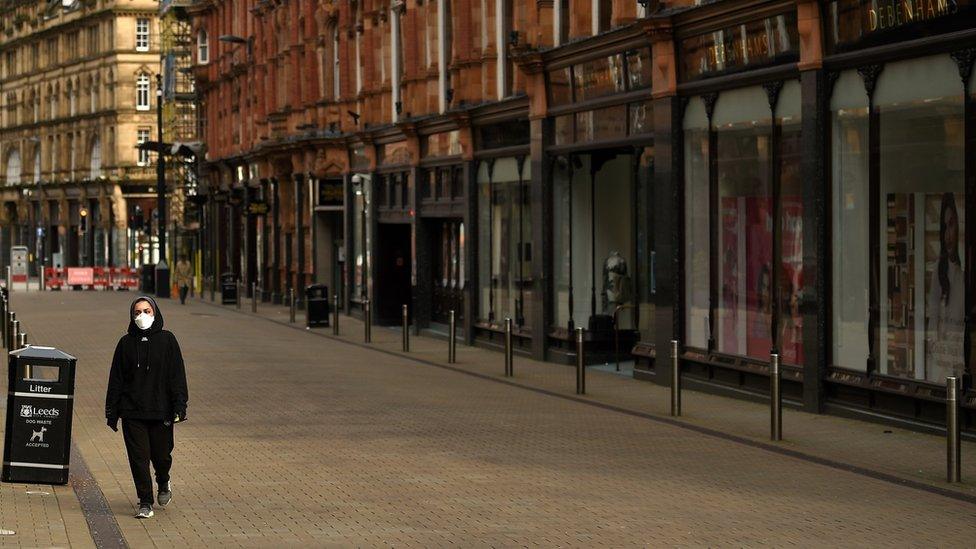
(759, 276)
(731, 313)
(791, 283)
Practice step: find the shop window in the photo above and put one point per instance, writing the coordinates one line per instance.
(922, 196)
(742, 123)
(849, 226)
(791, 223)
(505, 241)
(697, 238)
(594, 233)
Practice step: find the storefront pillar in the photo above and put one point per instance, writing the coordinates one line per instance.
(350, 234)
(422, 293)
(469, 179)
(299, 282)
(668, 228)
(814, 105)
(540, 196)
(276, 261)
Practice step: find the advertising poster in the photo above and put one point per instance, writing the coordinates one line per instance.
(791, 284)
(732, 306)
(759, 276)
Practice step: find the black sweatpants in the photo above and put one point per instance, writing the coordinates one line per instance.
(145, 441)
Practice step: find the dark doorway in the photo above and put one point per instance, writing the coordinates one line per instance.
(393, 264)
(446, 245)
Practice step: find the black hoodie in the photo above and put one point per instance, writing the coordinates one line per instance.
(147, 380)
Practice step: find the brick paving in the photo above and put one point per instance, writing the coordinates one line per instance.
(300, 440)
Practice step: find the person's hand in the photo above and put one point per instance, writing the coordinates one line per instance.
(179, 415)
(113, 424)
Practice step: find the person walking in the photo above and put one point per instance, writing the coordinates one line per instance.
(184, 277)
(147, 390)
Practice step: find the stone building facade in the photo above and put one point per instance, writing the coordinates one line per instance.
(747, 178)
(77, 93)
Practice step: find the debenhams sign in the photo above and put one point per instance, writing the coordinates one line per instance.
(867, 22)
(889, 15)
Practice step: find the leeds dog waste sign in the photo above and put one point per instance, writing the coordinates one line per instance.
(37, 441)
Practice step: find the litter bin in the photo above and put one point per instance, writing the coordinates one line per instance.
(37, 442)
(316, 305)
(147, 276)
(228, 288)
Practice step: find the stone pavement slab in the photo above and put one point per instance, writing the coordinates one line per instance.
(298, 439)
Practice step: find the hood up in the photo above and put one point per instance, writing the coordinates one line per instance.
(157, 324)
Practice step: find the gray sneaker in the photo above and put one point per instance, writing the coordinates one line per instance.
(164, 496)
(145, 511)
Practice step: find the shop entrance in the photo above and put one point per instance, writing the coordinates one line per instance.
(393, 267)
(446, 245)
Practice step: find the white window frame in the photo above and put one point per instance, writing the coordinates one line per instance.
(143, 31)
(142, 92)
(142, 135)
(203, 47)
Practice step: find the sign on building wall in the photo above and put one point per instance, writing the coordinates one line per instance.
(751, 44)
(851, 24)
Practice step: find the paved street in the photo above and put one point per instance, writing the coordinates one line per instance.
(299, 439)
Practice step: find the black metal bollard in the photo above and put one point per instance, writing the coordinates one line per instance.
(675, 380)
(406, 329)
(367, 322)
(775, 399)
(580, 363)
(335, 315)
(953, 447)
(15, 336)
(9, 336)
(509, 370)
(291, 305)
(451, 343)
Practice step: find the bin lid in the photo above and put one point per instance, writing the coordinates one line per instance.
(38, 351)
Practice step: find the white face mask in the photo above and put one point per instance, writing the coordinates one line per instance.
(144, 321)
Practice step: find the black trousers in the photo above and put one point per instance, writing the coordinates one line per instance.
(145, 441)
(183, 291)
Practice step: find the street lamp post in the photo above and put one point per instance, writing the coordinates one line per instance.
(162, 270)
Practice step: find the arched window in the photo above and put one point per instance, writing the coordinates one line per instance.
(336, 92)
(95, 94)
(110, 90)
(72, 99)
(13, 167)
(142, 92)
(52, 99)
(95, 165)
(203, 47)
(37, 162)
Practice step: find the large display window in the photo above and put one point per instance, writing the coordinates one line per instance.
(505, 241)
(697, 239)
(595, 261)
(744, 164)
(849, 224)
(921, 139)
(915, 276)
(743, 124)
(361, 235)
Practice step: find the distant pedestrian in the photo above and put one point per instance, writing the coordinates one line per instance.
(147, 390)
(184, 277)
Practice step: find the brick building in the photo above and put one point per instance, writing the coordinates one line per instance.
(76, 95)
(732, 175)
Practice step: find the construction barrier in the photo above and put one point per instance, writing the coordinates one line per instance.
(92, 278)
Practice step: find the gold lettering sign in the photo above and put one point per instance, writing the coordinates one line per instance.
(868, 22)
(754, 43)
